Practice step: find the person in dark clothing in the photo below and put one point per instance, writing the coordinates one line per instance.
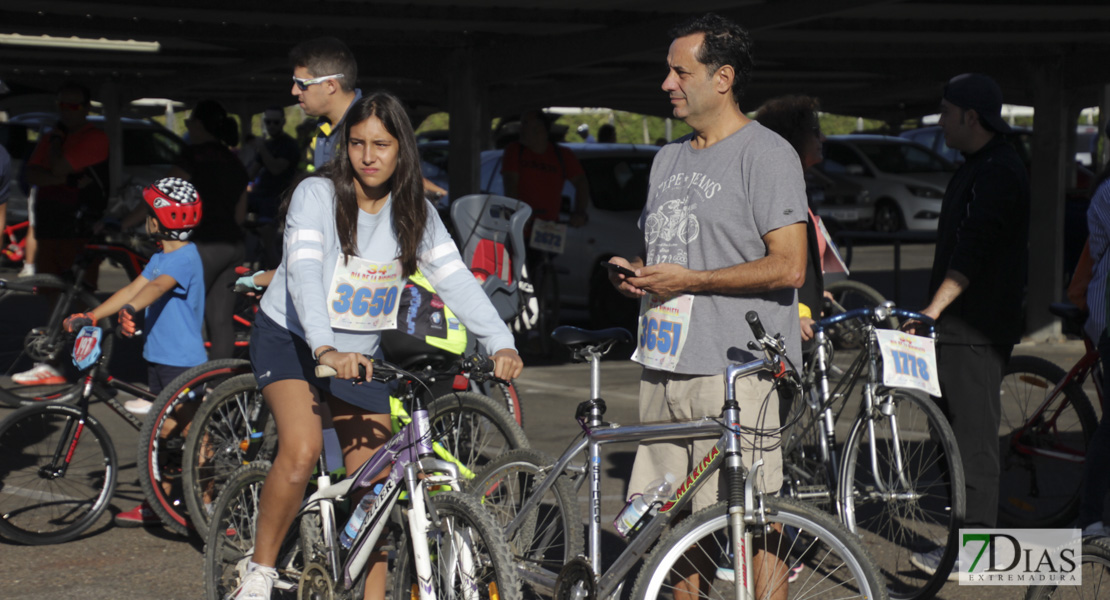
(221, 181)
(977, 284)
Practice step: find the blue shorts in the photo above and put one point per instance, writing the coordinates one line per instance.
(159, 376)
(278, 354)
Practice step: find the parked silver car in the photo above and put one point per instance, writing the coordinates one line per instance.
(905, 180)
(149, 151)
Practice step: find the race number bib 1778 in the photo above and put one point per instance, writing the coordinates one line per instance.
(909, 361)
(664, 327)
(548, 236)
(363, 294)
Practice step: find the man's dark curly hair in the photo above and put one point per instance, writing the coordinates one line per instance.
(726, 43)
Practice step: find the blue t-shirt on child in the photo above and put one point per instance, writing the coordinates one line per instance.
(173, 322)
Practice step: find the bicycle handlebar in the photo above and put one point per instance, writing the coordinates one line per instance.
(876, 314)
(480, 368)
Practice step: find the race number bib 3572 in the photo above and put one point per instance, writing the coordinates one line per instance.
(909, 361)
(363, 295)
(662, 332)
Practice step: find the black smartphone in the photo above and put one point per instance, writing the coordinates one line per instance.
(618, 269)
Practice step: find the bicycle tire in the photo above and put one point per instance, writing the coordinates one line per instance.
(1041, 492)
(162, 439)
(233, 427)
(550, 536)
(507, 395)
(547, 297)
(848, 295)
(462, 523)
(33, 506)
(28, 341)
(929, 512)
(834, 562)
(228, 547)
(1095, 565)
(473, 429)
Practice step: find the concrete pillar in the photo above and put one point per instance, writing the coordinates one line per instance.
(469, 125)
(110, 99)
(1048, 180)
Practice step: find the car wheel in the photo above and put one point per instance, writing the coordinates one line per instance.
(608, 308)
(888, 217)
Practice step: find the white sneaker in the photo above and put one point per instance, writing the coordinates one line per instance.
(28, 269)
(257, 584)
(40, 374)
(138, 406)
(929, 561)
(1096, 529)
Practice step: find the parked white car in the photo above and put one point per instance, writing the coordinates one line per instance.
(618, 176)
(905, 180)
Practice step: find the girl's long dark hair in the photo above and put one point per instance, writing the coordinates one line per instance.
(410, 210)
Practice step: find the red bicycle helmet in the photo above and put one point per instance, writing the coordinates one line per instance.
(176, 205)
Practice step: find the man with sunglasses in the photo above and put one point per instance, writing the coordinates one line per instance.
(70, 167)
(274, 166)
(324, 75)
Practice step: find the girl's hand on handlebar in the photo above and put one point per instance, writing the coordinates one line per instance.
(346, 364)
(507, 364)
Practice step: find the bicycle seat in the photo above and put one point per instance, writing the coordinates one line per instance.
(1068, 311)
(585, 341)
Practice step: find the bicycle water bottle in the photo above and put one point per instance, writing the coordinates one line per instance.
(357, 517)
(657, 491)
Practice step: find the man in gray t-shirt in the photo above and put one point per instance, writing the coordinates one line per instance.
(724, 233)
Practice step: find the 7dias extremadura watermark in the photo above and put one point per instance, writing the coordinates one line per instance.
(1020, 556)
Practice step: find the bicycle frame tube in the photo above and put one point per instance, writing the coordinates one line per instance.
(1038, 418)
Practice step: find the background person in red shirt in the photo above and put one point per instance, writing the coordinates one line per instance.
(534, 170)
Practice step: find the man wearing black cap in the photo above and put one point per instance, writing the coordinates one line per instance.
(977, 284)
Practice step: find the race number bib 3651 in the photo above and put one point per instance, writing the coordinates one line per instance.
(661, 335)
(909, 361)
(363, 294)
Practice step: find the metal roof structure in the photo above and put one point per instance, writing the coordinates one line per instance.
(875, 58)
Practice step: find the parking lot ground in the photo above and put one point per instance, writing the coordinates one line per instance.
(110, 563)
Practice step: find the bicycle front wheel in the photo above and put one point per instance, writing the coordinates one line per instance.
(800, 548)
(850, 295)
(42, 303)
(472, 430)
(550, 535)
(162, 438)
(1043, 451)
(902, 489)
(57, 475)
(1094, 573)
(233, 427)
(467, 551)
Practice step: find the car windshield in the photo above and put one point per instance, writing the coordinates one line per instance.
(618, 183)
(903, 158)
(150, 147)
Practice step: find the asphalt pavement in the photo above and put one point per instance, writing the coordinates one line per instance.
(111, 563)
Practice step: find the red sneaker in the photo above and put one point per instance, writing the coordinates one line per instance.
(140, 516)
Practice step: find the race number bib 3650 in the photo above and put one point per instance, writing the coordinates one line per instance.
(909, 361)
(661, 335)
(363, 295)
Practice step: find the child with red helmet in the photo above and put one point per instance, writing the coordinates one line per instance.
(171, 289)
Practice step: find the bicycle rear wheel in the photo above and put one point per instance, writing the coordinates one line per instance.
(467, 551)
(42, 303)
(1094, 572)
(551, 535)
(473, 430)
(232, 428)
(57, 474)
(912, 498)
(1042, 454)
(162, 438)
(824, 559)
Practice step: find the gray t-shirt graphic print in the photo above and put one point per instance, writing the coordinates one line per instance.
(709, 209)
